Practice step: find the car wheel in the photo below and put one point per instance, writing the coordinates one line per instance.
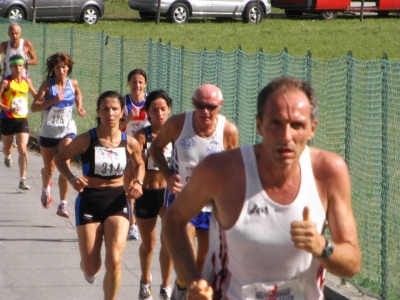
(250, 13)
(178, 13)
(293, 13)
(90, 15)
(15, 14)
(328, 15)
(147, 15)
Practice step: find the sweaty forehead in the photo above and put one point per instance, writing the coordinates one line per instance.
(289, 100)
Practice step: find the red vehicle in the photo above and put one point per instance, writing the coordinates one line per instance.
(328, 9)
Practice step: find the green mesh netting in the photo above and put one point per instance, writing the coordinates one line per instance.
(359, 114)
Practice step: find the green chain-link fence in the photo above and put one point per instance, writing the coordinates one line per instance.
(359, 115)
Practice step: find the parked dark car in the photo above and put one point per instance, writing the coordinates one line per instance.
(88, 11)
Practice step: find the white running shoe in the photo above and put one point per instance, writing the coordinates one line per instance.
(165, 292)
(145, 290)
(133, 232)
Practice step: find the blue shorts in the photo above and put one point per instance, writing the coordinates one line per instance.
(169, 198)
(52, 142)
(202, 221)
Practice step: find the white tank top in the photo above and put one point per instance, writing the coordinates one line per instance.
(189, 149)
(10, 52)
(258, 248)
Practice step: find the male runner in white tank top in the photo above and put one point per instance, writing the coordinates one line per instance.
(15, 46)
(270, 204)
(195, 134)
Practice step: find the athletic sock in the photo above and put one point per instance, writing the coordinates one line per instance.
(181, 283)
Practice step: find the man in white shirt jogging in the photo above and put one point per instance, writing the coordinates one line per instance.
(271, 203)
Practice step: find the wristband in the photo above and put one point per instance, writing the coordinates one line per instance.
(73, 179)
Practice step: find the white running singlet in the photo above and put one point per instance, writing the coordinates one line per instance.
(257, 253)
(189, 149)
(11, 52)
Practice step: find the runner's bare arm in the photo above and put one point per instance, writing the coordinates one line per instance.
(31, 53)
(169, 133)
(32, 89)
(346, 258)
(186, 206)
(77, 145)
(78, 98)
(38, 104)
(231, 136)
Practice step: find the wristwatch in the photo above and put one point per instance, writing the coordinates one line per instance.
(328, 250)
(138, 181)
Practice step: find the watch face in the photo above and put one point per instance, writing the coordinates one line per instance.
(328, 251)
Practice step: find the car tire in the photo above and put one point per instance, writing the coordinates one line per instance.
(90, 15)
(328, 15)
(178, 13)
(147, 15)
(293, 13)
(15, 13)
(250, 13)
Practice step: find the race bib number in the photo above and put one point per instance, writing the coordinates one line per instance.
(22, 105)
(109, 162)
(58, 117)
(282, 290)
(135, 125)
(167, 154)
(185, 171)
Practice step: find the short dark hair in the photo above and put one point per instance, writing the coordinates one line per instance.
(284, 84)
(155, 95)
(137, 71)
(109, 94)
(16, 56)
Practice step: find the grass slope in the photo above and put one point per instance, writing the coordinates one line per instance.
(368, 40)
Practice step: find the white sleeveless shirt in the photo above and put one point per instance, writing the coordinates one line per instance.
(10, 52)
(189, 149)
(258, 248)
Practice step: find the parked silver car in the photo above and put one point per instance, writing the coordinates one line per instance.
(88, 11)
(179, 11)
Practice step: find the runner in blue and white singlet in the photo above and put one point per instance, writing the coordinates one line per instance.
(56, 98)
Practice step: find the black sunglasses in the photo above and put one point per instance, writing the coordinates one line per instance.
(209, 107)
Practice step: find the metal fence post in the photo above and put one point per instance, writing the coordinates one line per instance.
(102, 42)
(285, 62)
(121, 66)
(71, 42)
(385, 181)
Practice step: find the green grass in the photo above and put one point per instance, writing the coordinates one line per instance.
(368, 40)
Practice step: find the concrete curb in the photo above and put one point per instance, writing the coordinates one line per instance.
(334, 290)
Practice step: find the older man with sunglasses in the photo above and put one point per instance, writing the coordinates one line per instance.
(195, 134)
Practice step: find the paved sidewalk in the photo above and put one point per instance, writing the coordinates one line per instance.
(39, 255)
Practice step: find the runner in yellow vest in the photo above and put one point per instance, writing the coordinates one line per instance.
(14, 91)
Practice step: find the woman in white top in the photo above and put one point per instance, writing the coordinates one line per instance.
(56, 98)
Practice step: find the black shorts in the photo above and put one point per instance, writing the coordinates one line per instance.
(96, 205)
(12, 126)
(52, 142)
(149, 204)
